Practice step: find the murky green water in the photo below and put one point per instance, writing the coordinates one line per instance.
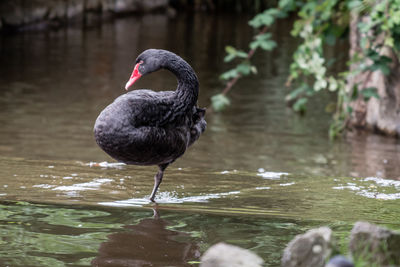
(258, 176)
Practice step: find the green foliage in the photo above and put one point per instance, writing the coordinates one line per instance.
(233, 53)
(321, 23)
(194, 262)
(266, 18)
(379, 62)
(230, 74)
(369, 92)
(300, 105)
(244, 68)
(263, 41)
(219, 102)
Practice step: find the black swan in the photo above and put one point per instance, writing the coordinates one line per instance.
(144, 127)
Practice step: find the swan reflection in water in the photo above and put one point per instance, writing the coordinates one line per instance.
(148, 243)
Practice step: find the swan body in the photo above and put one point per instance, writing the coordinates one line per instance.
(144, 127)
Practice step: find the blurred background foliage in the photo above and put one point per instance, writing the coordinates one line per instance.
(320, 23)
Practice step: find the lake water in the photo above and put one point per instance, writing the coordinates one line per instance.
(258, 176)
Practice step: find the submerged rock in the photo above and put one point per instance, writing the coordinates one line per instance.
(339, 261)
(224, 255)
(375, 245)
(310, 249)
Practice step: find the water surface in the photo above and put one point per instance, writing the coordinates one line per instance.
(259, 175)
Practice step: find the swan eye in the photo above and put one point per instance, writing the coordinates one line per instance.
(141, 69)
(141, 66)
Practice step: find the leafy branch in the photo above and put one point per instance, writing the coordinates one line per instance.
(262, 40)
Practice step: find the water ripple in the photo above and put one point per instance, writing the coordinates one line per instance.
(373, 188)
(167, 198)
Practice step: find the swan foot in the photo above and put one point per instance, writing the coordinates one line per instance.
(157, 180)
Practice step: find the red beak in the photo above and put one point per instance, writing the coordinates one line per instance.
(134, 77)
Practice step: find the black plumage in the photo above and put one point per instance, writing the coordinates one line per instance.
(144, 127)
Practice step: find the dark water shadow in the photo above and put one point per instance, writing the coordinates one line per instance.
(149, 243)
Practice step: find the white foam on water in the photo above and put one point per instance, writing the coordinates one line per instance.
(92, 185)
(105, 164)
(45, 186)
(167, 198)
(270, 175)
(263, 188)
(287, 184)
(351, 187)
(372, 191)
(383, 182)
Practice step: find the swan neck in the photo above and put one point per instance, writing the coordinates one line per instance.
(187, 90)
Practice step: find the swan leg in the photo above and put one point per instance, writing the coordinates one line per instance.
(157, 180)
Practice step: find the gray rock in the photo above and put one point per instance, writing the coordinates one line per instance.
(11, 13)
(35, 11)
(125, 6)
(224, 255)
(339, 261)
(58, 9)
(374, 244)
(108, 5)
(93, 5)
(148, 6)
(74, 8)
(129, 6)
(310, 249)
(18, 14)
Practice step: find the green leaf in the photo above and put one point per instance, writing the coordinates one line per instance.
(383, 67)
(244, 68)
(287, 5)
(273, 12)
(242, 54)
(296, 93)
(330, 107)
(300, 105)
(264, 19)
(380, 62)
(230, 74)
(369, 92)
(229, 57)
(268, 45)
(264, 36)
(364, 27)
(336, 128)
(349, 110)
(219, 102)
(230, 49)
(263, 41)
(330, 39)
(233, 53)
(354, 4)
(354, 92)
(254, 45)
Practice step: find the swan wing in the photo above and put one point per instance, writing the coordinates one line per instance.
(147, 108)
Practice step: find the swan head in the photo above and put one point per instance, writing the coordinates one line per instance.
(148, 61)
